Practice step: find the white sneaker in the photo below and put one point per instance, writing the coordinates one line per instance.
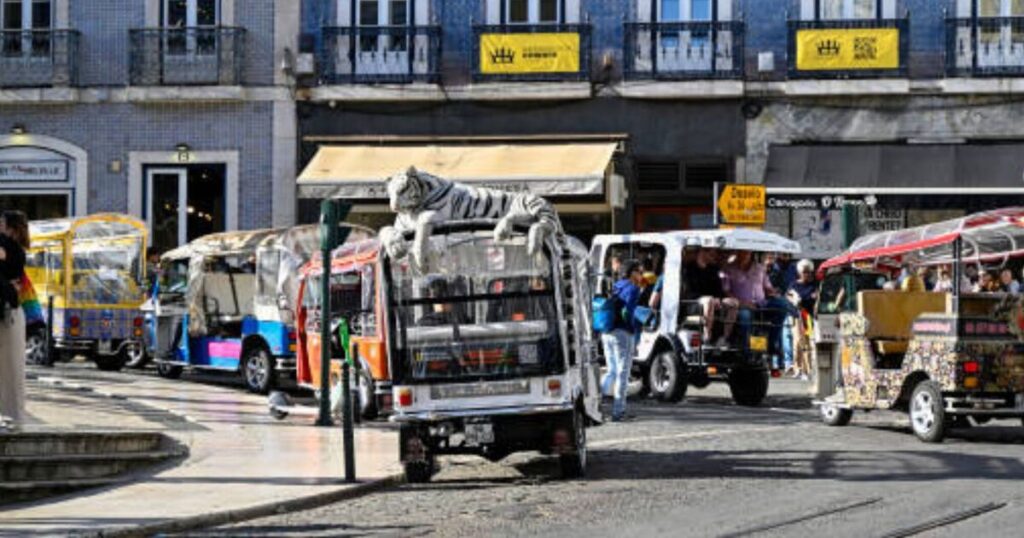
(722, 342)
(803, 377)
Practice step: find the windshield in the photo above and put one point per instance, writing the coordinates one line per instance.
(839, 291)
(482, 311)
(107, 272)
(174, 276)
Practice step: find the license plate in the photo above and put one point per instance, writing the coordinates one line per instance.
(759, 343)
(104, 346)
(479, 433)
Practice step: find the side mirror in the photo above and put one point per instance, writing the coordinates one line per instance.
(212, 305)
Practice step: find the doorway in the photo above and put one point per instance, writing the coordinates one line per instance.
(184, 203)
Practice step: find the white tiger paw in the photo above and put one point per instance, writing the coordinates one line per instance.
(503, 231)
(535, 239)
(394, 244)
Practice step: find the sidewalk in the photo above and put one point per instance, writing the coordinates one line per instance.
(240, 458)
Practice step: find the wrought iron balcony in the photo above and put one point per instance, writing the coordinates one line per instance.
(863, 49)
(209, 56)
(38, 58)
(684, 50)
(380, 54)
(986, 46)
(526, 73)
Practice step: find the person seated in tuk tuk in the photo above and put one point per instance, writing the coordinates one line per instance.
(746, 281)
(441, 313)
(705, 296)
(987, 283)
(915, 280)
(1006, 280)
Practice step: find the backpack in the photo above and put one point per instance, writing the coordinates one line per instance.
(605, 311)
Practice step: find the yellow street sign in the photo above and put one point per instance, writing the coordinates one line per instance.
(742, 204)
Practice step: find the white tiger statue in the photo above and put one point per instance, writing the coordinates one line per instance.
(422, 200)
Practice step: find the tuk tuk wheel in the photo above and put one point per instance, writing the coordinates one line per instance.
(258, 369)
(168, 371)
(111, 363)
(137, 356)
(833, 415)
(367, 399)
(667, 377)
(748, 386)
(574, 465)
(35, 348)
(927, 414)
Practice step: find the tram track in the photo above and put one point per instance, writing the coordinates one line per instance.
(801, 519)
(945, 521)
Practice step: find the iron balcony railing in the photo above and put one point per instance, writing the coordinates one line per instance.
(380, 54)
(902, 25)
(206, 55)
(986, 46)
(38, 58)
(582, 74)
(684, 50)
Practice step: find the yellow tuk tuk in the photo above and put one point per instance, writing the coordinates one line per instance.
(92, 269)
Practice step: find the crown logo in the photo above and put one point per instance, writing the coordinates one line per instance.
(828, 47)
(503, 55)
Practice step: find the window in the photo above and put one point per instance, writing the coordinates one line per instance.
(846, 9)
(377, 13)
(17, 19)
(191, 14)
(532, 11)
(1000, 40)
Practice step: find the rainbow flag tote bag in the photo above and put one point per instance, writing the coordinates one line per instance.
(29, 301)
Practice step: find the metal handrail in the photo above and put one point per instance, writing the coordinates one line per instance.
(195, 55)
(725, 61)
(357, 54)
(968, 53)
(38, 58)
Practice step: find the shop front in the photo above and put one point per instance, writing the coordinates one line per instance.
(824, 195)
(580, 178)
(40, 176)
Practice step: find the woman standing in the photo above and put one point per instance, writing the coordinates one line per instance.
(13, 242)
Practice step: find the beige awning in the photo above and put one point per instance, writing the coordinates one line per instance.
(575, 169)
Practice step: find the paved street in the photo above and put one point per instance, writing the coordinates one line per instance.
(708, 468)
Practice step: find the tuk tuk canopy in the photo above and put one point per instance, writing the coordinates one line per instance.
(989, 236)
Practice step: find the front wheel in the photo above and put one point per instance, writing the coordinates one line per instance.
(833, 415)
(748, 387)
(258, 369)
(368, 408)
(36, 350)
(111, 363)
(927, 413)
(574, 464)
(137, 356)
(667, 377)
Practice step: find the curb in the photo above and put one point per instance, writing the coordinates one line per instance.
(226, 517)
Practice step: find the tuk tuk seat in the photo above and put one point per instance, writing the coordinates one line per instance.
(890, 315)
(236, 303)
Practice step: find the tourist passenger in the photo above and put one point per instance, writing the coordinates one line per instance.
(747, 282)
(618, 343)
(914, 281)
(987, 283)
(704, 291)
(1009, 284)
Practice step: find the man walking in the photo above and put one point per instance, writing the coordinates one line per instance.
(618, 343)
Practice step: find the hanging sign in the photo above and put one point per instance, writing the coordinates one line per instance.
(847, 49)
(34, 171)
(506, 54)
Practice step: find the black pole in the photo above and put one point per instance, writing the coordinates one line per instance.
(357, 396)
(328, 237)
(347, 434)
(49, 331)
(957, 274)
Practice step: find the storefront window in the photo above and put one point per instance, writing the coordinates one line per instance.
(37, 206)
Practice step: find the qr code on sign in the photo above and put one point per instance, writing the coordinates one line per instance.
(865, 48)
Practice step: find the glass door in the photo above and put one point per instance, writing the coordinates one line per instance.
(190, 40)
(383, 39)
(167, 213)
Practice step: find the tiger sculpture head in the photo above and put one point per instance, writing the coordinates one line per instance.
(406, 192)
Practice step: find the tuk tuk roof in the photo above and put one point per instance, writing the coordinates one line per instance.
(97, 226)
(222, 243)
(986, 236)
(355, 250)
(728, 239)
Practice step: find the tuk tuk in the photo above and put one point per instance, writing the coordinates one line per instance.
(947, 358)
(672, 352)
(356, 298)
(223, 302)
(490, 349)
(92, 268)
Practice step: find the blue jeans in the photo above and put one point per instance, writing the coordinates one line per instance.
(618, 352)
(787, 344)
(776, 316)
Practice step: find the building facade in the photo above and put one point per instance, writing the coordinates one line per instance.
(176, 111)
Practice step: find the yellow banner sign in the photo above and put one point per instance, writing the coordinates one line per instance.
(504, 54)
(848, 49)
(742, 204)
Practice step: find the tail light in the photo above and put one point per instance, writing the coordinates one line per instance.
(776, 373)
(971, 367)
(695, 340)
(291, 334)
(404, 396)
(75, 323)
(554, 387)
(137, 322)
(712, 370)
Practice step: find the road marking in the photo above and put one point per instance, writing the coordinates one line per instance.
(692, 435)
(945, 520)
(801, 519)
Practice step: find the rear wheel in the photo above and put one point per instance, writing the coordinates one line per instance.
(422, 468)
(258, 369)
(36, 351)
(667, 377)
(111, 363)
(574, 465)
(169, 371)
(367, 399)
(748, 387)
(137, 356)
(927, 414)
(833, 415)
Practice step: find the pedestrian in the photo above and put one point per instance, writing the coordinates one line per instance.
(802, 294)
(1010, 284)
(14, 240)
(618, 343)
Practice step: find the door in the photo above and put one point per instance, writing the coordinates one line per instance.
(690, 49)
(26, 28)
(167, 212)
(190, 39)
(383, 46)
(533, 11)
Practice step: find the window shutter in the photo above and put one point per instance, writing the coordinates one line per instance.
(658, 176)
(704, 175)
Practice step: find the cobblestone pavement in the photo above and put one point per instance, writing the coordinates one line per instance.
(708, 468)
